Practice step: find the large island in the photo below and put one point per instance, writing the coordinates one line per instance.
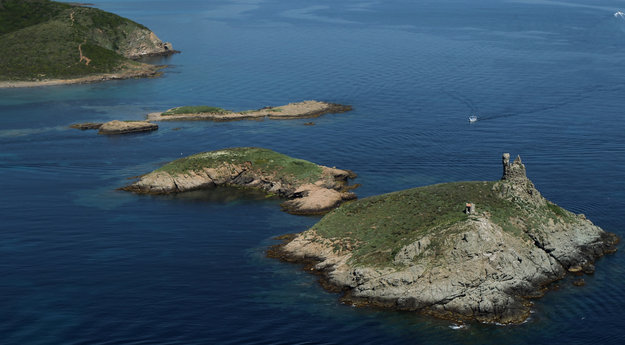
(466, 250)
(48, 43)
(309, 188)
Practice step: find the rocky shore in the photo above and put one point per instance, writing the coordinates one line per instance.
(425, 250)
(130, 71)
(305, 109)
(309, 188)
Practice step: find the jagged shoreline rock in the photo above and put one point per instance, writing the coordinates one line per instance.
(305, 109)
(145, 43)
(309, 188)
(395, 251)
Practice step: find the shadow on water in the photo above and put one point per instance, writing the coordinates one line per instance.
(156, 60)
(223, 195)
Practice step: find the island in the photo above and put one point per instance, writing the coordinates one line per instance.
(51, 43)
(460, 251)
(309, 188)
(305, 109)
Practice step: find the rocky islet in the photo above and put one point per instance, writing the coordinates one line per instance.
(117, 127)
(485, 265)
(309, 188)
(296, 110)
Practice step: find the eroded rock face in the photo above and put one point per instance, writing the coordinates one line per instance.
(142, 42)
(124, 127)
(477, 270)
(304, 198)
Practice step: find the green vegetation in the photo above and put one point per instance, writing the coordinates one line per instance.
(41, 40)
(205, 109)
(285, 168)
(18, 14)
(557, 209)
(197, 109)
(380, 226)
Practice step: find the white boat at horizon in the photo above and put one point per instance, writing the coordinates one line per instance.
(473, 118)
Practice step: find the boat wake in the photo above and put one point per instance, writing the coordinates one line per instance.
(575, 97)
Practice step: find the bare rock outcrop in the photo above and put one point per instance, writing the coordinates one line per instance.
(125, 127)
(142, 42)
(479, 267)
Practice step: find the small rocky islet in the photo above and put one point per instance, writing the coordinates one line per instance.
(309, 188)
(296, 110)
(117, 127)
(460, 251)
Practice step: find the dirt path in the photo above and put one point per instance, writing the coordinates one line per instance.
(82, 57)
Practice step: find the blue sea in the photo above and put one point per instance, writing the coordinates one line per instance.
(84, 263)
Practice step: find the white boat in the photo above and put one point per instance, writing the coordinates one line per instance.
(472, 118)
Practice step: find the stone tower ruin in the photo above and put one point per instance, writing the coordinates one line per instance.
(513, 171)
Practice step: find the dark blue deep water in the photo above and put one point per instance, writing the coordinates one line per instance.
(82, 263)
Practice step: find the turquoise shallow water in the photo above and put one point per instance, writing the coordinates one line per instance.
(82, 263)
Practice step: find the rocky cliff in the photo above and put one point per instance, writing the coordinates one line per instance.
(309, 188)
(126, 38)
(419, 250)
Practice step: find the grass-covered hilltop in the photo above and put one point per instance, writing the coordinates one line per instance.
(296, 110)
(45, 40)
(425, 249)
(310, 188)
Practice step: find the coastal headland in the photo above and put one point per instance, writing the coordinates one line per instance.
(309, 188)
(460, 251)
(305, 109)
(54, 43)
